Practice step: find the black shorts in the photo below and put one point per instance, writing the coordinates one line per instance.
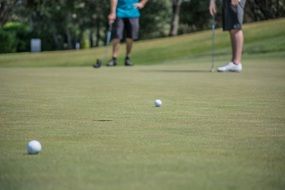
(126, 28)
(233, 15)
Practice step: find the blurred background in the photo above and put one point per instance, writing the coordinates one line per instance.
(82, 24)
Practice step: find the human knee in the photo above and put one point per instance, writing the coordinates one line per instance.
(235, 31)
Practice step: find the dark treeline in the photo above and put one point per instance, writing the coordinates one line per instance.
(60, 24)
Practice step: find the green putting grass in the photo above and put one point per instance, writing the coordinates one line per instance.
(99, 128)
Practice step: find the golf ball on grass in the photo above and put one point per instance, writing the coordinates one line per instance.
(34, 147)
(157, 103)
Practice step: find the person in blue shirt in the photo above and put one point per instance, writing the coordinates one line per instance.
(124, 16)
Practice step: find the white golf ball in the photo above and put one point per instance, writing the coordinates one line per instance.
(34, 147)
(157, 103)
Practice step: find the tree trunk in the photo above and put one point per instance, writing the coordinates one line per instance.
(56, 42)
(69, 39)
(6, 9)
(97, 43)
(176, 4)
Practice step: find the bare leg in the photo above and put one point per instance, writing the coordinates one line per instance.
(116, 44)
(237, 45)
(233, 46)
(129, 47)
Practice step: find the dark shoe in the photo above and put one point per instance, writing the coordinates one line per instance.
(128, 62)
(98, 64)
(112, 63)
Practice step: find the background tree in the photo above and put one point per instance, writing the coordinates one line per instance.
(6, 10)
(264, 9)
(176, 7)
(60, 24)
(66, 22)
(155, 19)
(194, 16)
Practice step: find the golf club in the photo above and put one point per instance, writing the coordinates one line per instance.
(99, 62)
(213, 26)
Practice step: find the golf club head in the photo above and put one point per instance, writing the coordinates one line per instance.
(98, 64)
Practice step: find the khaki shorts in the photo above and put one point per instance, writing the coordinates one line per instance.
(126, 28)
(233, 15)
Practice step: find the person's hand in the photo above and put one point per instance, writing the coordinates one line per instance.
(213, 8)
(112, 17)
(235, 2)
(139, 5)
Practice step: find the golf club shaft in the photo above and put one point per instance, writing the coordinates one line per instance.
(108, 40)
(213, 42)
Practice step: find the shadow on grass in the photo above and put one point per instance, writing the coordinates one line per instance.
(27, 154)
(180, 71)
(102, 120)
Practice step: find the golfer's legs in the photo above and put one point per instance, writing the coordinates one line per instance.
(117, 35)
(129, 46)
(116, 44)
(132, 31)
(237, 45)
(232, 22)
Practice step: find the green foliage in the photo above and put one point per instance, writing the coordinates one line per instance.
(191, 19)
(21, 34)
(265, 9)
(65, 21)
(7, 42)
(85, 42)
(155, 18)
(60, 24)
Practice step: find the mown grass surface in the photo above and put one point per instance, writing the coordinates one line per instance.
(100, 130)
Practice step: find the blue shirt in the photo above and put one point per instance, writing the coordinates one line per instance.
(126, 9)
